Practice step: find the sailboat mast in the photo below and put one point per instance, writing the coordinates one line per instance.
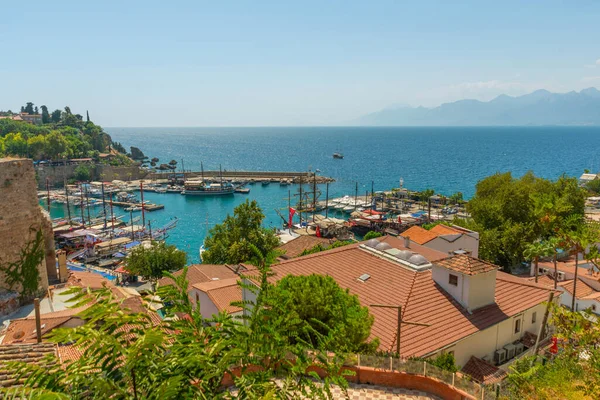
(327, 200)
(68, 205)
(81, 204)
(221, 175)
(103, 205)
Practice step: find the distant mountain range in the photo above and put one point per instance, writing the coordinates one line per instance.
(538, 108)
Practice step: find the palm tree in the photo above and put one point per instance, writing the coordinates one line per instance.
(534, 251)
(554, 243)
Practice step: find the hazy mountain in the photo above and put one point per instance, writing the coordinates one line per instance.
(538, 108)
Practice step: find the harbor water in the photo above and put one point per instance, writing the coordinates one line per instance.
(447, 159)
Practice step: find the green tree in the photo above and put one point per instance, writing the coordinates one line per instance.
(15, 144)
(29, 108)
(329, 317)
(456, 198)
(82, 173)
(372, 235)
(56, 145)
(151, 263)
(56, 114)
(512, 213)
(45, 115)
(126, 356)
(534, 251)
(229, 242)
(593, 186)
(573, 373)
(36, 147)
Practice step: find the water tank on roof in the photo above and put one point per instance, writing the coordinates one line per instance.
(372, 243)
(418, 259)
(404, 255)
(383, 246)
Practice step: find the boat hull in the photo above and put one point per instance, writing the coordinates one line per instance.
(207, 192)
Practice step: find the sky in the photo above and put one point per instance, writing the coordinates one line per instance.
(282, 63)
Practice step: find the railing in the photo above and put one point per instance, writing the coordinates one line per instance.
(422, 368)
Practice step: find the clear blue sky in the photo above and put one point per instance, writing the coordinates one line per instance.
(196, 63)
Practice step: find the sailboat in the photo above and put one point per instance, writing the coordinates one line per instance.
(201, 188)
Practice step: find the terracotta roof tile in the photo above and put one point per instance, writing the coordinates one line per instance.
(543, 280)
(28, 353)
(466, 265)
(442, 229)
(24, 330)
(419, 235)
(88, 279)
(421, 298)
(482, 371)
(222, 293)
(199, 273)
(294, 247)
(583, 289)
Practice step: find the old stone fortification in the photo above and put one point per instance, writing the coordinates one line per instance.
(58, 174)
(20, 219)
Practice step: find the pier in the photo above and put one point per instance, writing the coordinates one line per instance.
(294, 177)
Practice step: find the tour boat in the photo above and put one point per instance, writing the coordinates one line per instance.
(201, 188)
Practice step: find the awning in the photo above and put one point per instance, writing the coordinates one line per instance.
(132, 244)
(122, 270)
(119, 255)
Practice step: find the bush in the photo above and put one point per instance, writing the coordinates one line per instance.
(82, 173)
(372, 235)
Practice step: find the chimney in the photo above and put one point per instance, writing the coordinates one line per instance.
(407, 242)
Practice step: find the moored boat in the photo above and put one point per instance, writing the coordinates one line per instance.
(201, 188)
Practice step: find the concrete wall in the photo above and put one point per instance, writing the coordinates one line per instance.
(482, 290)
(465, 242)
(21, 218)
(57, 174)
(460, 292)
(580, 304)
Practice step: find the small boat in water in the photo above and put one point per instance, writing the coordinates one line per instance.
(284, 182)
(266, 182)
(242, 190)
(161, 189)
(338, 156)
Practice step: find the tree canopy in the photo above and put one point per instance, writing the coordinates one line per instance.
(327, 316)
(61, 135)
(126, 355)
(511, 213)
(151, 263)
(229, 242)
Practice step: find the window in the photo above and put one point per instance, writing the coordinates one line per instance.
(453, 280)
(517, 325)
(533, 317)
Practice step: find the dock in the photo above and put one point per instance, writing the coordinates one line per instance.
(294, 177)
(147, 207)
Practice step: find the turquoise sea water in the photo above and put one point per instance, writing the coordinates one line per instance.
(446, 159)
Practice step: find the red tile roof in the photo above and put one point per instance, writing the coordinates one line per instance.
(543, 280)
(442, 229)
(24, 330)
(294, 247)
(419, 235)
(482, 371)
(199, 273)
(88, 279)
(222, 293)
(421, 298)
(583, 289)
(27, 353)
(466, 265)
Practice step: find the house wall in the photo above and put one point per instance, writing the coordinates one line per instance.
(482, 289)
(486, 342)
(580, 304)
(207, 307)
(465, 242)
(472, 292)
(460, 292)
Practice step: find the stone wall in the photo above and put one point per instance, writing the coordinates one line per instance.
(21, 218)
(58, 174)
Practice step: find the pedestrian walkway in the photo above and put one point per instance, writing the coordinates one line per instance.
(374, 392)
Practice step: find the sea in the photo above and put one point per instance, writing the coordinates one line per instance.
(446, 159)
